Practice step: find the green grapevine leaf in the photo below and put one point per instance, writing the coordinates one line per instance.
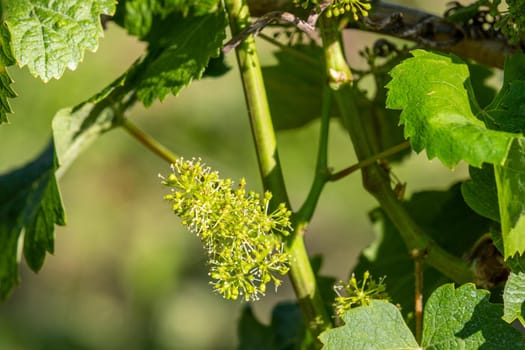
(140, 16)
(288, 327)
(463, 318)
(514, 298)
(378, 326)
(253, 335)
(29, 201)
(324, 283)
(186, 45)
(29, 196)
(479, 74)
(480, 192)
(433, 92)
(295, 97)
(5, 92)
(50, 36)
(511, 191)
(513, 293)
(444, 217)
(286, 331)
(6, 59)
(385, 132)
(508, 109)
(74, 129)
(216, 67)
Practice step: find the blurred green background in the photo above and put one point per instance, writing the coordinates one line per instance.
(125, 274)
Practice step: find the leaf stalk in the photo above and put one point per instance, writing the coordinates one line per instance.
(148, 141)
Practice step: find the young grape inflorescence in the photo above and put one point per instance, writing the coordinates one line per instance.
(243, 240)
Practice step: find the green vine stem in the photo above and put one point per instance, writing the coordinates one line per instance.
(375, 179)
(148, 141)
(301, 273)
(322, 174)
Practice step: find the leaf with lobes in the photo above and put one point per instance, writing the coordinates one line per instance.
(434, 93)
(181, 54)
(50, 36)
(454, 318)
(29, 196)
(29, 202)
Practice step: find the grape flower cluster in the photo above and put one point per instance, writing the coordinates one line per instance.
(243, 240)
(354, 294)
(340, 7)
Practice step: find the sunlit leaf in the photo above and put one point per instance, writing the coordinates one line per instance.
(49, 36)
(463, 318)
(180, 55)
(379, 326)
(514, 298)
(140, 16)
(433, 92)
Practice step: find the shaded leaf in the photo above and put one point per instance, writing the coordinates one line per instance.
(514, 298)
(431, 89)
(324, 283)
(50, 36)
(378, 326)
(507, 112)
(514, 68)
(463, 318)
(74, 129)
(184, 47)
(480, 192)
(29, 196)
(510, 181)
(445, 217)
(216, 67)
(288, 327)
(287, 330)
(386, 131)
(138, 17)
(252, 334)
(479, 74)
(295, 97)
(508, 109)
(29, 201)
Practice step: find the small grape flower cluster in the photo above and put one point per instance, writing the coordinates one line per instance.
(351, 294)
(340, 7)
(244, 242)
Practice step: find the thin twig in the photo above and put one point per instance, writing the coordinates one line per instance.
(148, 141)
(418, 257)
(307, 26)
(369, 161)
